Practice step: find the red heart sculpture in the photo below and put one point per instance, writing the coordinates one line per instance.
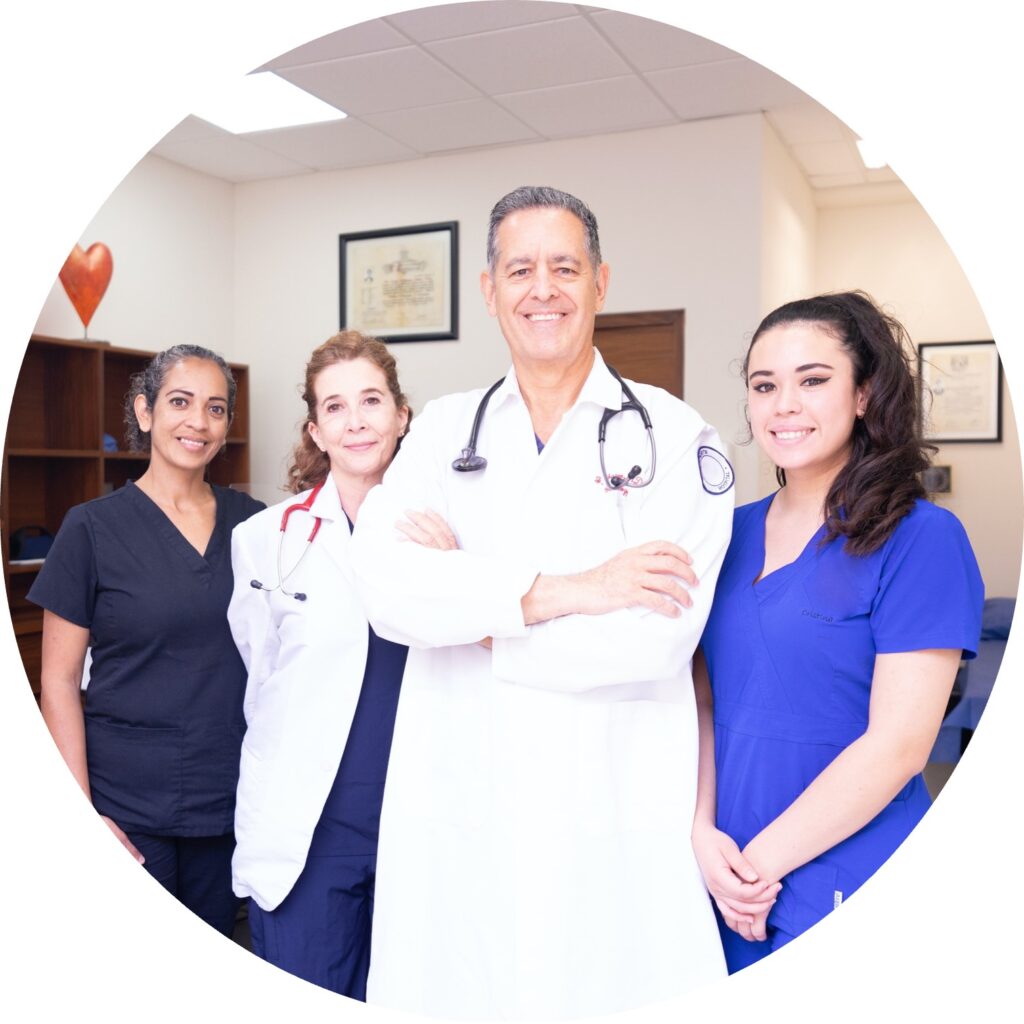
(85, 276)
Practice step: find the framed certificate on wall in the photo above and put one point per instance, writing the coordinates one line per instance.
(401, 284)
(962, 391)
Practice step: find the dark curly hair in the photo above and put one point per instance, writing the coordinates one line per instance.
(149, 381)
(310, 466)
(880, 481)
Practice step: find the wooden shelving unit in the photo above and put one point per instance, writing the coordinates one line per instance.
(68, 395)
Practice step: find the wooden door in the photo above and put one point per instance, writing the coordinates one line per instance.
(645, 347)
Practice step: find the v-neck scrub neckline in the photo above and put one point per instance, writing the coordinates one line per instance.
(163, 524)
(764, 584)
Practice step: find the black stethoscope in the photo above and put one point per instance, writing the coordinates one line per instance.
(299, 506)
(470, 462)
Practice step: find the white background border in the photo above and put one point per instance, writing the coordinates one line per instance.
(88, 88)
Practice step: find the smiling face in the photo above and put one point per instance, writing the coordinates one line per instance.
(544, 290)
(357, 421)
(189, 421)
(803, 399)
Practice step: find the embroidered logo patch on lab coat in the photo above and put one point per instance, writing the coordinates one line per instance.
(716, 473)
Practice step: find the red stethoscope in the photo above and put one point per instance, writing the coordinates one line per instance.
(299, 506)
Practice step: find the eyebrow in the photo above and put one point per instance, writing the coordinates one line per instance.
(800, 369)
(365, 391)
(192, 394)
(528, 261)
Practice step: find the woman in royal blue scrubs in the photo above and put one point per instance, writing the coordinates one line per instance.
(843, 608)
(142, 577)
(323, 687)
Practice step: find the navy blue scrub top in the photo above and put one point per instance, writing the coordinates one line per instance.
(350, 820)
(791, 659)
(163, 709)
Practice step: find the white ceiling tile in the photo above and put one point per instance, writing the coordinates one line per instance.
(727, 87)
(390, 80)
(192, 128)
(824, 158)
(827, 181)
(798, 123)
(422, 81)
(613, 104)
(880, 174)
(651, 45)
(449, 20)
(882, 193)
(464, 125)
(366, 37)
(231, 158)
(348, 143)
(553, 53)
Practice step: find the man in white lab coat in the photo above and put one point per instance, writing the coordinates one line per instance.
(535, 857)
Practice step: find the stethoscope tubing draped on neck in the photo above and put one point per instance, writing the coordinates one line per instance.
(282, 577)
(470, 462)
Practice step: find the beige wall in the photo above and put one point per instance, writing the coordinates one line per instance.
(711, 217)
(892, 250)
(677, 208)
(171, 234)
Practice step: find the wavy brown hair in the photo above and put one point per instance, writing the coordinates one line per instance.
(880, 481)
(310, 466)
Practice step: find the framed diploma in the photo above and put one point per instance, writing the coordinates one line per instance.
(401, 284)
(962, 383)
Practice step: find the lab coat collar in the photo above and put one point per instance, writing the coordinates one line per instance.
(600, 387)
(334, 535)
(327, 504)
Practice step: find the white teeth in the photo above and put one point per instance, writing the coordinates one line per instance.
(790, 435)
(189, 443)
(535, 317)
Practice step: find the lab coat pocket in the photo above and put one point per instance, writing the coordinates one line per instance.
(808, 894)
(135, 772)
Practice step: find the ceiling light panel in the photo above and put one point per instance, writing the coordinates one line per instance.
(262, 101)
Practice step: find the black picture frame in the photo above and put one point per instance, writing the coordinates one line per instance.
(401, 284)
(961, 391)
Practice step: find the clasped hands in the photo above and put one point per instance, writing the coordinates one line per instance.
(743, 898)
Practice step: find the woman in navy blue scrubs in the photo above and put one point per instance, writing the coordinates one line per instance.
(323, 687)
(142, 577)
(843, 608)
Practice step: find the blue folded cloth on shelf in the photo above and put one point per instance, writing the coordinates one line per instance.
(996, 618)
(977, 679)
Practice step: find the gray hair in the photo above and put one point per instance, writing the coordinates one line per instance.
(530, 197)
(149, 381)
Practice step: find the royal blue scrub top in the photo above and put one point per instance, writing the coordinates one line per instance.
(791, 659)
(163, 708)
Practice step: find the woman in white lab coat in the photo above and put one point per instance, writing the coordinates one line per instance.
(322, 687)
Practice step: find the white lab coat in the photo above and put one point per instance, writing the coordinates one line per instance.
(306, 661)
(534, 856)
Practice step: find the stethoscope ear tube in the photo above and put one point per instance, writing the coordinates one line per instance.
(300, 506)
(470, 462)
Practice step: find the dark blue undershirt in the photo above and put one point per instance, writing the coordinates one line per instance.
(350, 819)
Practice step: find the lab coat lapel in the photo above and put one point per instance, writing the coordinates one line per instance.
(334, 535)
